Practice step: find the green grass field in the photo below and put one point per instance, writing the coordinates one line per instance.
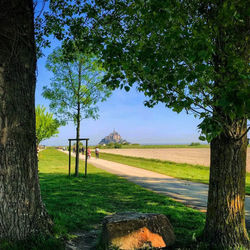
(195, 173)
(77, 204)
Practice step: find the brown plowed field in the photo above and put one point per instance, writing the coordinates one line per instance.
(200, 156)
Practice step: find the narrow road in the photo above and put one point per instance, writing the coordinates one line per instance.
(189, 193)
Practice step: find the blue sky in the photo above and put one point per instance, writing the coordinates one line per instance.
(124, 112)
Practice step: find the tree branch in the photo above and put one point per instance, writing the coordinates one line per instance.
(238, 139)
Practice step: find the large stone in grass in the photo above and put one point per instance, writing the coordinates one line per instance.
(131, 230)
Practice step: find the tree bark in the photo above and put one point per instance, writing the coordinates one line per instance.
(225, 222)
(22, 213)
(77, 148)
(78, 118)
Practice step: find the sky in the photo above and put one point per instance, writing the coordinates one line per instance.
(124, 112)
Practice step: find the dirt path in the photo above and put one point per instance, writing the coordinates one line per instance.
(189, 193)
(200, 156)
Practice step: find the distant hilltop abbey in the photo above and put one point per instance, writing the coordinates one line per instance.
(113, 137)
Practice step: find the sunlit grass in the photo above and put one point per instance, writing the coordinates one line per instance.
(77, 204)
(194, 173)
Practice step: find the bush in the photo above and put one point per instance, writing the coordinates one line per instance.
(110, 145)
(117, 145)
(194, 144)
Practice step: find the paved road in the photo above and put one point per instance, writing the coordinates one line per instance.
(189, 193)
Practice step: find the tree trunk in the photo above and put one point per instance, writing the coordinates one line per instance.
(77, 147)
(22, 213)
(225, 222)
(78, 119)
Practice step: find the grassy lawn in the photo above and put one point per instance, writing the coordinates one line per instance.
(77, 204)
(195, 173)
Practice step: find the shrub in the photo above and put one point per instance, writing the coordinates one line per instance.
(110, 145)
(194, 144)
(117, 145)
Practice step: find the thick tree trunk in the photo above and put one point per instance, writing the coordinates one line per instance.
(225, 222)
(22, 212)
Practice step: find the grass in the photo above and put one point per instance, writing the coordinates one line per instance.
(77, 204)
(194, 173)
(36, 242)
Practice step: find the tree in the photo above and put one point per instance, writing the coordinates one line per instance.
(189, 55)
(46, 125)
(75, 88)
(22, 213)
(193, 56)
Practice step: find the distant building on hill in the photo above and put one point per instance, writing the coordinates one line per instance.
(113, 137)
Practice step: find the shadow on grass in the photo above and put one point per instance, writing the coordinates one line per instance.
(77, 204)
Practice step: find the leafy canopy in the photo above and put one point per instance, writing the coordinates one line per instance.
(46, 125)
(76, 85)
(189, 55)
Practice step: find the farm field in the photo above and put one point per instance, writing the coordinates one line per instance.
(130, 146)
(194, 156)
(166, 146)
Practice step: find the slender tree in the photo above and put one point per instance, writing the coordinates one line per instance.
(75, 89)
(22, 213)
(190, 55)
(46, 125)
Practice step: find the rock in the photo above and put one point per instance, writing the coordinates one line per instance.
(131, 230)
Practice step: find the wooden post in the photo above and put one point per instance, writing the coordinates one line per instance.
(69, 156)
(86, 159)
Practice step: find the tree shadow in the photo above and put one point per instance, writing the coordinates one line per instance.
(81, 203)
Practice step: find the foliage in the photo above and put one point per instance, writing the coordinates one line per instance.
(177, 46)
(184, 61)
(189, 55)
(194, 144)
(126, 143)
(81, 203)
(46, 125)
(110, 145)
(76, 85)
(117, 145)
